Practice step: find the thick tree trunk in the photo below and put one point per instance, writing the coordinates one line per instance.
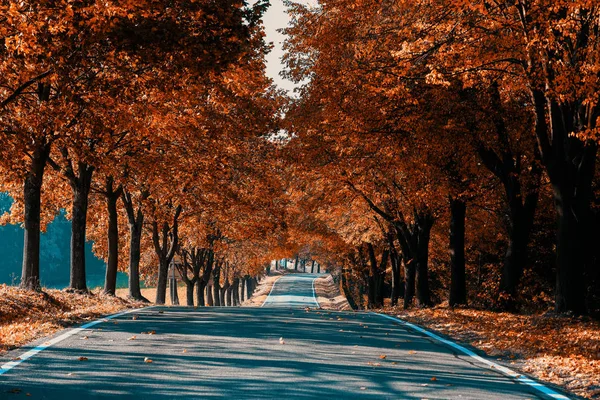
(249, 287)
(161, 287)
(312, 266)
(570, 164)
(376, 277)
(410, 278)
(296, 263)
(136, 223)
(189, 292)
(458, 283)
(81, 189)
(135, 244)
(346, 290)
(112, 265)
(521, 224)
(423, 232)
(570, 256)
(217, 287)
(200, 286)
(209, 296)
(174, 292)
(236, 292)
(243, 289)
(32, 191)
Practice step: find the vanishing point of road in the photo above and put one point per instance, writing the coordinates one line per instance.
(287, 349)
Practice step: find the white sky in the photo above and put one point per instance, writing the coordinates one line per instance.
(276, 18)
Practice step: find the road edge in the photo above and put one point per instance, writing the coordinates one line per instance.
(4, 368)
(543, 389)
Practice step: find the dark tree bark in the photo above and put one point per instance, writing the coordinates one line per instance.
(346, 290)
(32, 192)
(112, 196)
(80, 185)
(216, 285)
(312, 266)
(507, 166)
(165, 252)
(458, 283)
(424, 224)
(570, 165)
(249, 287)
(190, 283)
(136, 221)
(376, 277)
(200, 300)
(209, 296)
(397, 283)
(173, 286)
(236, 292)
(296, 263)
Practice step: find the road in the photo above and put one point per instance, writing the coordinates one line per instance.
(236, 353)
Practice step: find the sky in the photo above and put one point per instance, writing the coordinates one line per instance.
(277, 18)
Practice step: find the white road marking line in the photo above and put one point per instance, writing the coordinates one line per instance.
(27, 355)
(519, 377)
(270, 291)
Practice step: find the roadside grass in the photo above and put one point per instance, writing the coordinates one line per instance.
(28, 315)
(559, 349)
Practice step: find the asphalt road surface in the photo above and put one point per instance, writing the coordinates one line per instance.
(236, 353)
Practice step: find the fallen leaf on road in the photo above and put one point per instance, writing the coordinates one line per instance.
(134, 317)
(70, 374)
(16, 358)
(132, 338)
(184, 351)
(412, 352)
(363, 388)
(149, 333)
(281, 341)
(394, 363)
(14, 391)
(85, 338)
(433, 379)
(383, 356)
(82, 358)
(147, 360)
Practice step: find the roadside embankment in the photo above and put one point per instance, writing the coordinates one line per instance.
(29, 315)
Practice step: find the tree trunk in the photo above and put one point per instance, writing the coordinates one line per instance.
(209, 296)
(161, 286)
(81, 190)
(216, 286)
(521, 224)
(458, 284)
(570, 257)
(346, 290)
(296, 263)
(189, 292)
(112, 265)
(318, 268)
(312, 267)
(243, 289)
(200, 286)
(136, 223)
(173, 286)
(236, 292)
(249, 287)
(423, 231)
(32, 192)
(570, 164)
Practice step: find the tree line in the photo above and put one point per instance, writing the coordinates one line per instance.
(447, 149)
(147, 122)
